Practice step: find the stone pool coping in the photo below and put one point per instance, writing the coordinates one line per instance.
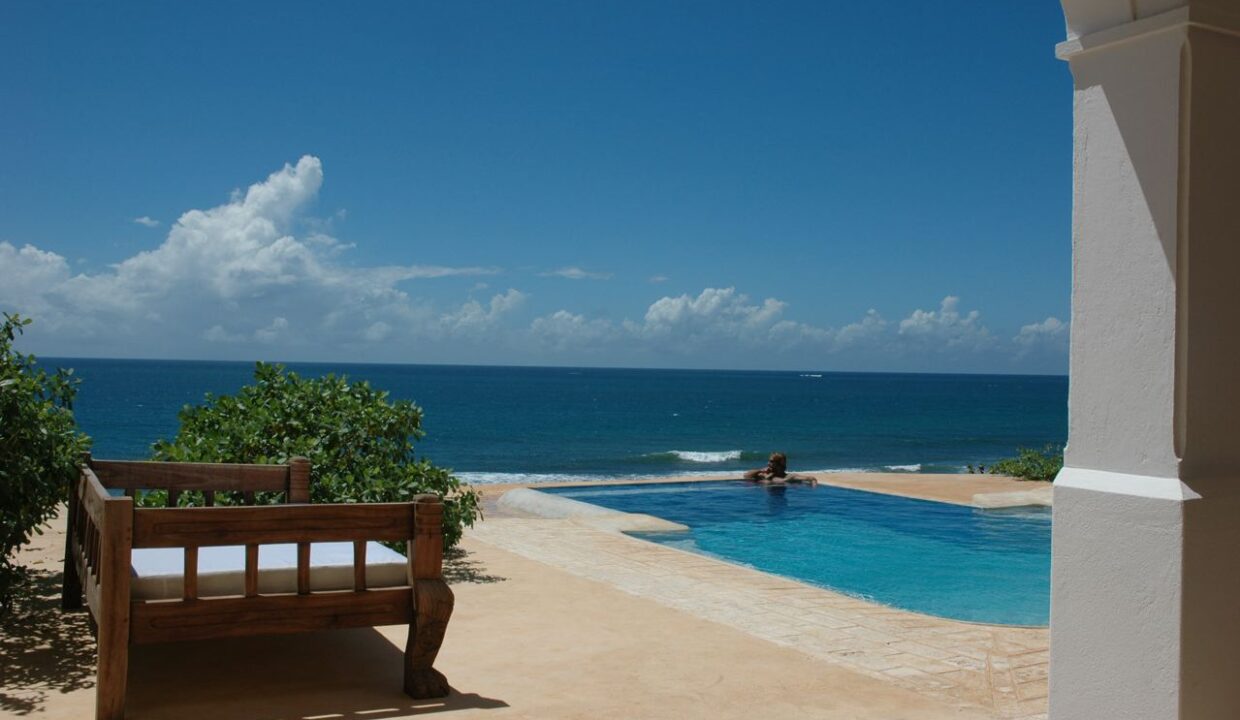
(982, 491)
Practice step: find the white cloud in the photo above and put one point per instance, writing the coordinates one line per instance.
(27, 278)
(723, 320)
(563, 329)
(1051, 327)
(715, 319)
(576, 273)
(715, 312)
(1048, 336)
(474, 319)
(867, 329)
(377, 332)
(147, 221)
(656, 279)
(276, 331)
(946, 328)
(233, 273)
(255, 273)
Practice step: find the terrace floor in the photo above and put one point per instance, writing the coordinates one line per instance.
(556, 619)
(1000, 670)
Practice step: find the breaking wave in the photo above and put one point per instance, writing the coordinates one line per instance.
(699, 456)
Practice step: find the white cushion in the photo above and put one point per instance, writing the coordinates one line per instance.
(158, 572)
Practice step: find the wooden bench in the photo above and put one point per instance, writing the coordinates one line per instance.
(105, 529)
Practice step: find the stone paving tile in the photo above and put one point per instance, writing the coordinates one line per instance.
(1002, 669)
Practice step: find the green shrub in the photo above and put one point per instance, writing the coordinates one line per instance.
(359, 444)
(1031, 464)
(39, 448)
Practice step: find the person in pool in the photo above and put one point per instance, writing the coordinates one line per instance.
(776, 473)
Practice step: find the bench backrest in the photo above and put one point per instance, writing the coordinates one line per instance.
(132, 477)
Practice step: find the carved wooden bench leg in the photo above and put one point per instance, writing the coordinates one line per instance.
(112, 677)
(71, 586)
(433, 601)
(112, 615)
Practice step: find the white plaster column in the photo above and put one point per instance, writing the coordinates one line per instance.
(1145, 604)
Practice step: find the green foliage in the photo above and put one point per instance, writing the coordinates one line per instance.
(39, 448)
(1030, 464)
(359, 444)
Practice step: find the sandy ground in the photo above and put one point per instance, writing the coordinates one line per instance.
(526, 641)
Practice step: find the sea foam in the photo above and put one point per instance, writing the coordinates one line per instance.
(504, 478)
(698, 456)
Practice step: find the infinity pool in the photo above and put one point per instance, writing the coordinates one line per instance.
(990, 566)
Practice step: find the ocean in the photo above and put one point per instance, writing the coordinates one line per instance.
(528, 424)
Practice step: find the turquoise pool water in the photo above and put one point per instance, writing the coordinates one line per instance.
(990, 566)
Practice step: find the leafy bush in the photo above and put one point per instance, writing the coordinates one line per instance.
(39, 448)
(1031, 464)
(359, 444)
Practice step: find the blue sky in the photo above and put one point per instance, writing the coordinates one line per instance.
(834, 186)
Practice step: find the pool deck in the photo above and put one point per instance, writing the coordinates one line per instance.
(558, 619)
(999, 670)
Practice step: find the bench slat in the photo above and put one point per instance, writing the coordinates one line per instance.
(164, 621)
(144, 475)
(303, 568)
(179, 527)
(359, 565)
(191, 573)
(251, 570)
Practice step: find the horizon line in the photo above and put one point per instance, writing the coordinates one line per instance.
(557, 367)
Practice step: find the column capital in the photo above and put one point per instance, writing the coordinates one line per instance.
(1095, 24)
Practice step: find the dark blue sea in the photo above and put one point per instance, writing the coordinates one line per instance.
(506, 424)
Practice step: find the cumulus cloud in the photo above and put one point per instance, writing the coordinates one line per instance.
(576, 273)
(232, 273)
(562, 330)
(714, 312)
(475, 319)
(946, 327)
(377, 331)
(26, 274)
(682, 324)
(146, 221)
(865, 330)
(274, 332)
(714, 319)
(257, 275)
(1047, 337)
(723, 320)
(1049, 329)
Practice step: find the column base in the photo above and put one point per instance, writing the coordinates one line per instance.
(1144, 586)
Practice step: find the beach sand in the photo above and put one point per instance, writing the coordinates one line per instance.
(527, 641)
